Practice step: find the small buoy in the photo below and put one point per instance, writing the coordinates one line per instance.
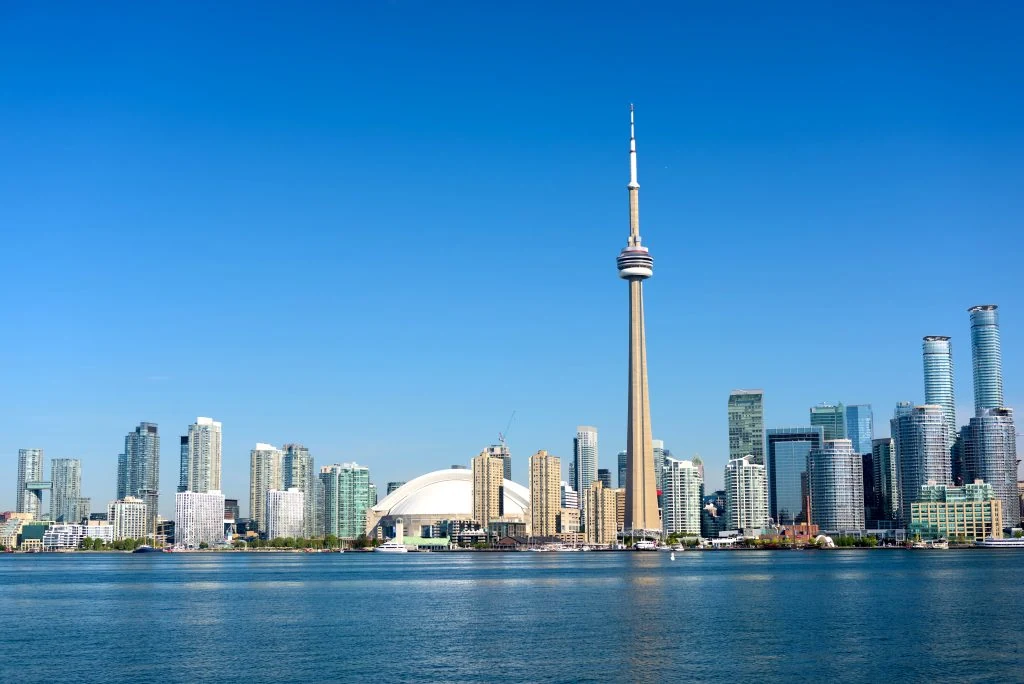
(672, 556)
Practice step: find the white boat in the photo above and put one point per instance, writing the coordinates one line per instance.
(392, 547)
(1006, 543)
(646, 545)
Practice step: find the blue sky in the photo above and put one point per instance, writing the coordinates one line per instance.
(379, 229)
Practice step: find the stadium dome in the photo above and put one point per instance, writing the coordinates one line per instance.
(443, 495)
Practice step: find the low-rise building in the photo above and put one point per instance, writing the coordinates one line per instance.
(69, 536)
(969, 512)
(31, 537)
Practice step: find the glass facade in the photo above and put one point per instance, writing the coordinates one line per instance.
(886, 481)
(30, 469)
(622, 470)
(682, 497)
(987, 357)
(584, 449)
(919, 435)
(788, 450)
(860, 427)
(831, 417)
(138, 469)
(298, 471)
(346, 497)
(836, 482)
(938, 381)
(66, 476)
(989, 445)
(746, 425)
(746, 494)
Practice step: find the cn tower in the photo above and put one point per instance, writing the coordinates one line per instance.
(635, 266)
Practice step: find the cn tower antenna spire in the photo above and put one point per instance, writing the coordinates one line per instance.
(632, 152)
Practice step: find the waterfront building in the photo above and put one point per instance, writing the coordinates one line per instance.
(989, 444)
(886, 479)
(746, 424)
(198, 518)
(298, 470)
(70, 535)
(569, 497)
(264, 475)
(746, 492)
(605, 476)
(919, 435)
(972, 512)
(681, 497)
(568, 523)
(285, 513)
(860, 427)
(831, 417)
(787, 452)
(836, 483)
(622, 469)
(488, 477)
(635, 265)
(713, 518)
(346, 499)
(584, 458)
(201, 457)
(599, 517)
(545, 480)
(66, 494)
(30, 482)
(392, 486)
(938, 381)
(128, 518)
(10, 529)
(986, 357)
(438, 496)
(138, 469)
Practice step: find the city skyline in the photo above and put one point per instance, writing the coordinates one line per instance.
(733, 198)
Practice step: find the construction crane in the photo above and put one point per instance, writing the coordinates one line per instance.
(502, 436)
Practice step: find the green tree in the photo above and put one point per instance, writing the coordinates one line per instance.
(204, 545)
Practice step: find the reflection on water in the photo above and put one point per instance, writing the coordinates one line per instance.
(771, 616)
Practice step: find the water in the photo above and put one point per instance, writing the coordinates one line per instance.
(737, 616)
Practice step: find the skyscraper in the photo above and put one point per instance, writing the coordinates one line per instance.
(201, 454)
(198, 518)
(605, 476)
(788, 451)
(346, 497)
(488, 488)
(832, 417)
(987, 357)
(836, 483)
(919, 435)
(599, 513)
(502, 451)
(990, 454)
(860, 427)
(298, 470)
(584, 456)
(887, 490)
(392, 486)
(66, 476)
(285, 512)
(30, 477)
(681, 497)
(545, 494)
(264, 475)
(746, 424)
(938, 381)
(658, 449)
(635, 265)
(622, 469)
(138, 469)
(746, 495)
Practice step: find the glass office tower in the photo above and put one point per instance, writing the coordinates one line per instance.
(746, 425)
(788, 450)
(860, 427)
(832, 417)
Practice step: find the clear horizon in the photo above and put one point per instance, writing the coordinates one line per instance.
(381, 243)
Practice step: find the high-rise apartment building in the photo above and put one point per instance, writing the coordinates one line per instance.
(569, 496)
(599, 514)
(746, 492)
(128, 518)
(990, 454)
(346, 499)
(919, 435)
(285, 513)
(832, 418)
(584, 455)
(681, 497)
(138, 469)
(658, 449)
(264, 475)
(987, 357)
(836, 482)
(605, 476)
(545, 494)
(746, 425)
(787, 452)
(66, 495)
(488, 488)
(297, 470)
(30, 482)
(622, 469)
(392, 486)
(860, 427)
(201, 457)
(886, 479)
(501, 451)
(938, 381)
(198, 518)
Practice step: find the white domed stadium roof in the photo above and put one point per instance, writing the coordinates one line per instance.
(446, 493)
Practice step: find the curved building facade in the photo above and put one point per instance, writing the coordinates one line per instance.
(987, 357)
(919, 435)
(938, 380)
(990, 454)
(836, 482)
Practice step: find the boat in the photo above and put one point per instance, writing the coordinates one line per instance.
(1007, 543)
(145, 548)
(672, 556)
(645, 545)
(392, 547)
